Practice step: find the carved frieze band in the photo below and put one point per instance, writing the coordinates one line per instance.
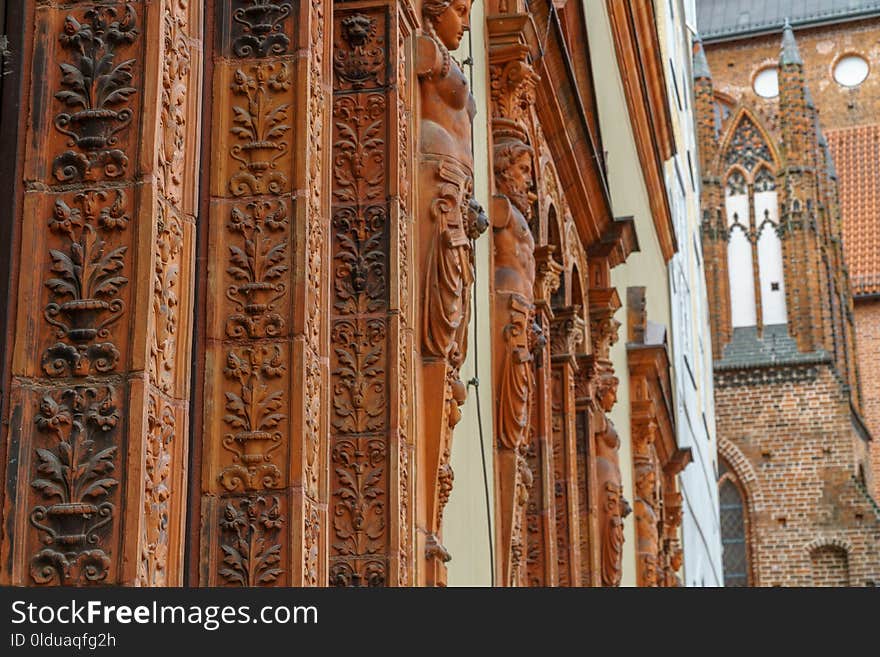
(360, 451)
(252, 258)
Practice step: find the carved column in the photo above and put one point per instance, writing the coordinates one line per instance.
(98, 402)
(612, 506)
(448, 218)
(264, 425)
(566, 337)
(647, 501)
(371, 325)
(515, 331)
(541, 559)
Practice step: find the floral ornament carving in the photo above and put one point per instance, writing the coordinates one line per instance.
(311, 546)
(250, 542)
(361, 60)
(359, 399)
(253, 418)
(370, 572)
(166, 276)
(261, 127)
(359, 149)
(74, 475)
(359, 280)
(262, 28)
(359, 497)
(161, 425)
(258, 267)
(176, 67)
(512, 86)
(96, 89)
(85, 289)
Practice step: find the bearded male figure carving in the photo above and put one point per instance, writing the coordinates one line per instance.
(613, 507)
(448, 218)
(514, 250)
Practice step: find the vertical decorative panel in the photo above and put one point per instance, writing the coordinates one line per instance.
(370, 325)
(100, 385)
(263, 520)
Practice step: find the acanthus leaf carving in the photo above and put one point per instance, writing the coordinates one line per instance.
(359, 392)
(74, 475)
(85, 290)
(359, 148)
(258, 267)
(252, 553)
(359, 497)
(161, 426)
(261, 126)
(254, 417)
(96, 90)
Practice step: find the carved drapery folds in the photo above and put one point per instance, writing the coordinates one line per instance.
(266, 300)
(447, 219)
(515, 331)
(99, 385)
(613, 507)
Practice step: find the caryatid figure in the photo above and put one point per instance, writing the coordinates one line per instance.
(514, 250)
(613, 506)
(647, 535)
(448, 219)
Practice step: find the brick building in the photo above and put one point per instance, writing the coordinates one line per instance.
(793, 426)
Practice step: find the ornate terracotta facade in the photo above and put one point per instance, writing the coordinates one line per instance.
(252, 227)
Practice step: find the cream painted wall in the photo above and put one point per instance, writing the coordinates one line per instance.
(465, 528)
(689, 338)
(629, 197)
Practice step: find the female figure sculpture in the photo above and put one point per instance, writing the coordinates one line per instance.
(448, 218)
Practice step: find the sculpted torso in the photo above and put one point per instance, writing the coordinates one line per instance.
(447, 106)
(514, 243)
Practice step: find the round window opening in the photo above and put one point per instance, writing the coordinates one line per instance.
(767, 83)
(851, 71)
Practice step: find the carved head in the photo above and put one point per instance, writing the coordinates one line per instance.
(449, 20)
(513, 173)
(645, 478)
(607, 391)
(358, 29)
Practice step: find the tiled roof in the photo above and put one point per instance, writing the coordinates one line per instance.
(856, 154)
(719, 19)
(775, 347)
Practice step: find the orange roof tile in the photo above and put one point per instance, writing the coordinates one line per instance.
(856, 153)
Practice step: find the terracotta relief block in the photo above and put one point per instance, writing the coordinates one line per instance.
(94, 78)
(251, 541)
(255, 284)
(86, 291)
(74, 464)
(102, 336)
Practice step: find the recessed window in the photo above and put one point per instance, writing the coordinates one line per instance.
(851, 71)
(766, 83)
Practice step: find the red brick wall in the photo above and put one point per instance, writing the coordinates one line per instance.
(868, 340)
(735, 64)
(798, 436)
(830, 566)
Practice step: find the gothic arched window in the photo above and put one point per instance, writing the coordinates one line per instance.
(734, 538)
(754, 252)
